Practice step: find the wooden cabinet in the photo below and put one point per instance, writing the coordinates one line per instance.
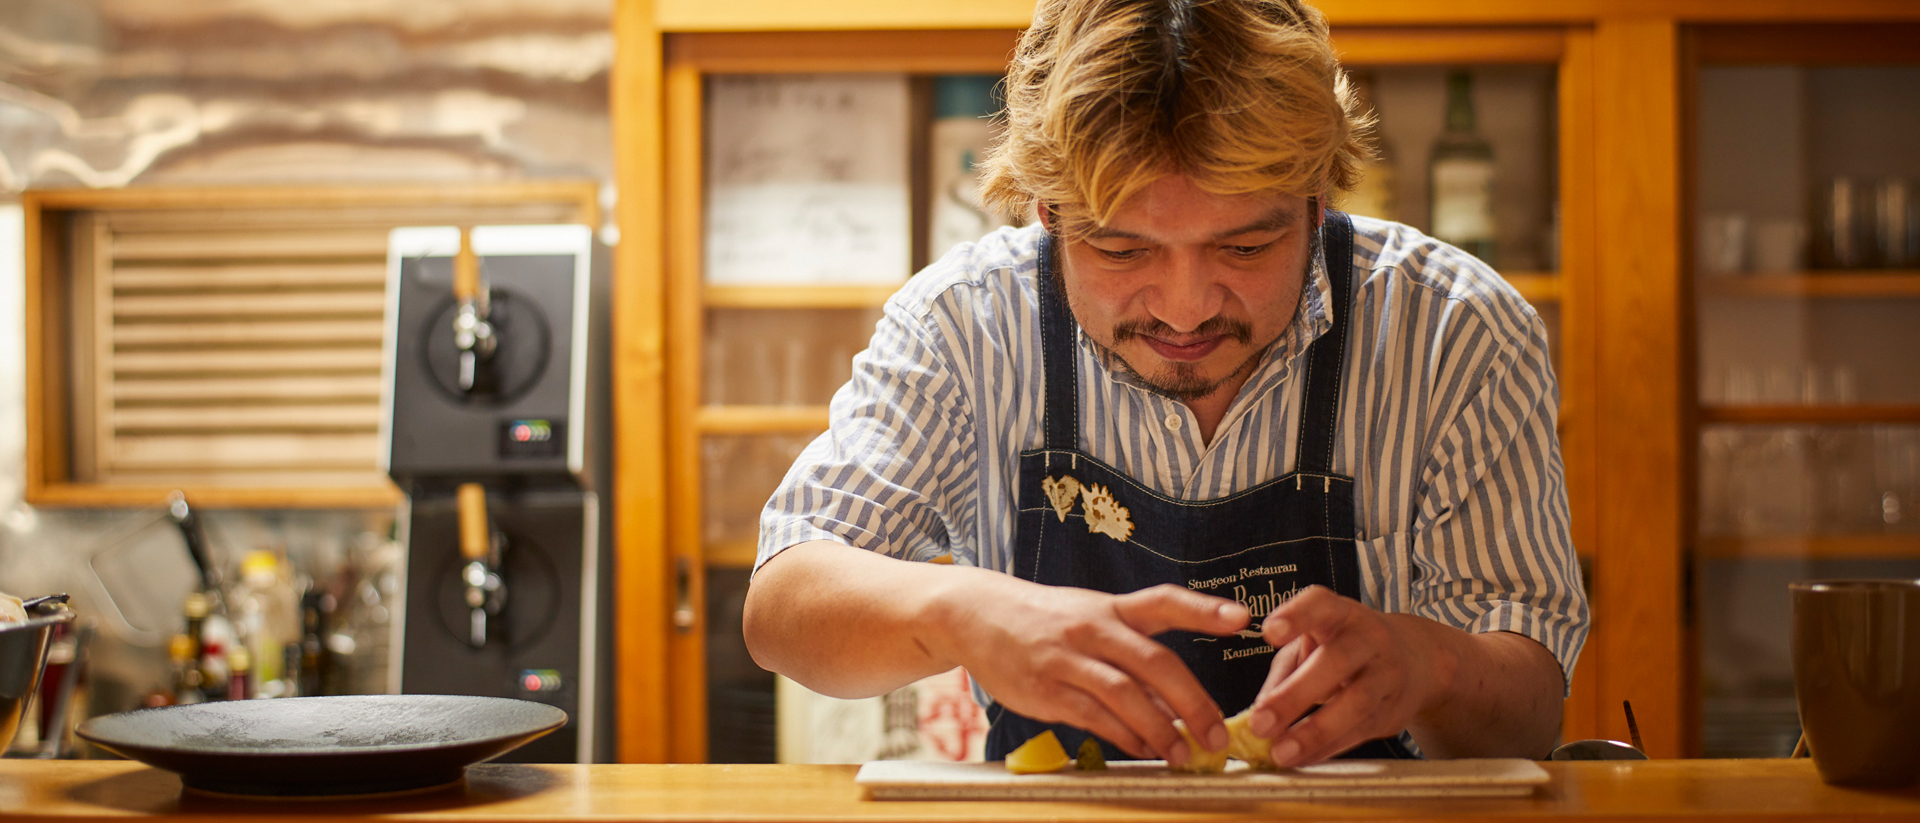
(1622, 76)
(1803, 153)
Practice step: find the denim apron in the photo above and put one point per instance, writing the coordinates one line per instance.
(1082, 523)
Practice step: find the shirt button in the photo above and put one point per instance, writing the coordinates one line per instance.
(1173, 422)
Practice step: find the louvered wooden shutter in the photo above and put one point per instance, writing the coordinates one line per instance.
(238, 347)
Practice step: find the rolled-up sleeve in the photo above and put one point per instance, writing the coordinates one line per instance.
(1492, 549)
(894, 467)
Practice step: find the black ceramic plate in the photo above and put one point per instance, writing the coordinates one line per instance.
(324, 746)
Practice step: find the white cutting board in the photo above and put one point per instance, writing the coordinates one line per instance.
(1152, 780)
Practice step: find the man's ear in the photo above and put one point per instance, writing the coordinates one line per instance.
(1046, 216)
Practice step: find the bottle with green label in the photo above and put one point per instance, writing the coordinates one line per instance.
(1460, 176)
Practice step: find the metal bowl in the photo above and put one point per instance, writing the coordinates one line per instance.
(23, 656)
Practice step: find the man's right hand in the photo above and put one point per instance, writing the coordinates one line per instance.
(1088, 659)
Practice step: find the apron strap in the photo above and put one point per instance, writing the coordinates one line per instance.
(1320, 406)
(1060, 362)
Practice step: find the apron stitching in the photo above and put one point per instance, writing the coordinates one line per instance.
(1136, 486)
(1155, 552)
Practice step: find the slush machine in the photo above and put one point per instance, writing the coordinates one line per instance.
(495, 404)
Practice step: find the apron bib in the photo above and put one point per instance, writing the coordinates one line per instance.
(1083, 523)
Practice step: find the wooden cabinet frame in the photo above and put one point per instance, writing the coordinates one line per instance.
(1625, 362)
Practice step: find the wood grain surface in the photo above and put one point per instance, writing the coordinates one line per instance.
(1659, 790)
(1152, 780)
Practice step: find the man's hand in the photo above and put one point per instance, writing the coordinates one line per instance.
(1088, 659)
(1371, 674)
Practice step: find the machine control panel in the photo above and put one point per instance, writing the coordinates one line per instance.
(532, 437)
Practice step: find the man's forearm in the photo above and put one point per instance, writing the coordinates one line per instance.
(847, 622)
(1502, 697)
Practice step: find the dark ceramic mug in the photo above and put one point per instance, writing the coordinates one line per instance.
(1856, 674)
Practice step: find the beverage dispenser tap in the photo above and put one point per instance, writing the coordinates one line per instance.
(480, 546)
(473, 334)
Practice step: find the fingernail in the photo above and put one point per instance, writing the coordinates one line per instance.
(1177, 756)
(1284, 752)
(1263, 723)
(1217, 738)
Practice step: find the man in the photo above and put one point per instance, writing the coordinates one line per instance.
(1192, 443)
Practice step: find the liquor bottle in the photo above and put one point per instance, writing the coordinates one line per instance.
(315, 675)
(240, 674)
(1375, 194)
(186, 674)
(266, 613)
(961, 134)
(1460, 176)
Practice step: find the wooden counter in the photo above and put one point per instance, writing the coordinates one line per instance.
(1644, 791)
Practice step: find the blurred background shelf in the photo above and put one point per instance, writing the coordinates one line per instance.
(798, 297)
(1844, 546)
(1852, 284)
(760, 419)
(1536, 287)
(1815, 415)
(731, 554)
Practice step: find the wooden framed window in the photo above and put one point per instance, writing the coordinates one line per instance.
(226, 342)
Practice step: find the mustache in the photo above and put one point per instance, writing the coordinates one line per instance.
(1239, 330)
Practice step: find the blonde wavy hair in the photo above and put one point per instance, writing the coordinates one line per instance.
(1106, 96)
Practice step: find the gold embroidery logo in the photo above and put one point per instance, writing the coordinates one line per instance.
(1061, 493)
(1104, 515)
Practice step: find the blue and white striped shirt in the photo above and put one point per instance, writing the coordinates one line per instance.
(1447, 427)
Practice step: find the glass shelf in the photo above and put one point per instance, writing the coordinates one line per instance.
(1797, 285)
(1811, 415)
(798, 297)
(731, 554)
(1857, 546)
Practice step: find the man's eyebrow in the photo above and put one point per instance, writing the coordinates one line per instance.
(1280, 218)
(1106, 232)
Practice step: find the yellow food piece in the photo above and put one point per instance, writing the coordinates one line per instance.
(1243, 744)
(1091, 759)
(1200, 760)
(1041, 754)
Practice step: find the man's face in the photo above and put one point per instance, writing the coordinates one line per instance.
(1187, 288)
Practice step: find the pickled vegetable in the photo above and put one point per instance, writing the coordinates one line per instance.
(1091, 759)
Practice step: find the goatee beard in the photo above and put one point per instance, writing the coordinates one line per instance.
(1181, 381)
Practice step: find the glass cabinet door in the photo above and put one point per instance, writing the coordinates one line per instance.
(762, 345)
(1806, 276)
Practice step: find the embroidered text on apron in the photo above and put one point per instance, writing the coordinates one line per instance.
(1082, 523)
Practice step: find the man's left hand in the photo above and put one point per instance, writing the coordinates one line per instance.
(1370, 673)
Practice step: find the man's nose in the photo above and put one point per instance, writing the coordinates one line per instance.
(1188, 294)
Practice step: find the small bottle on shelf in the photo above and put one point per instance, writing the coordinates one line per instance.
(1460, 176)
(239, 674)
(186, 674)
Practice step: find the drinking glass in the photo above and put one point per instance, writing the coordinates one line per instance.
(1897, 475)
(1896, 224)
(1844, 229)
(1723, 243)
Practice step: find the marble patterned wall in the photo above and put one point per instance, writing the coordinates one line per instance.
(105, 93)
(110, 93)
